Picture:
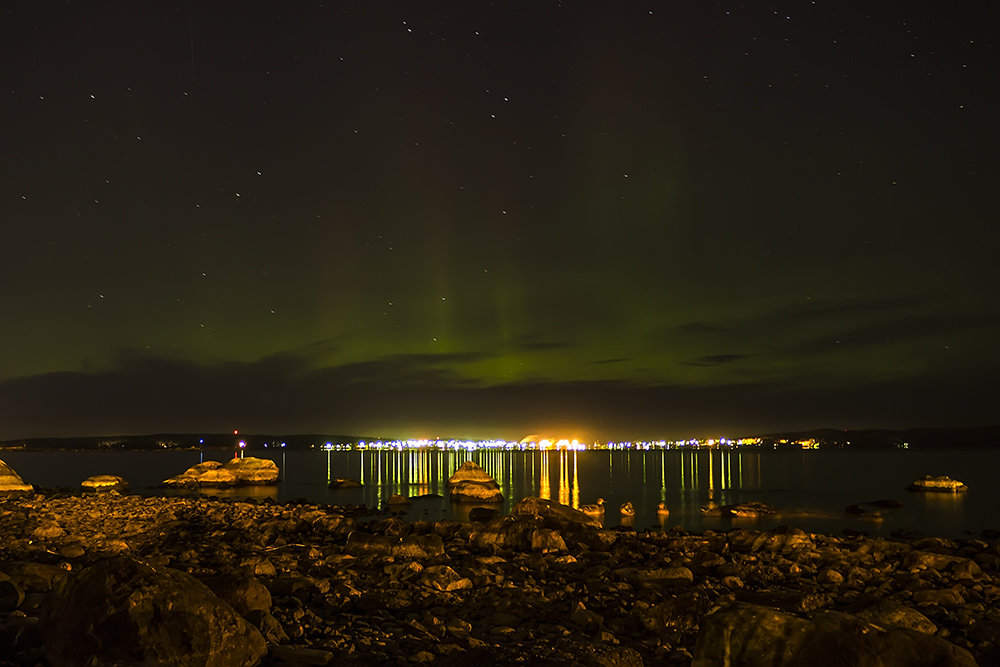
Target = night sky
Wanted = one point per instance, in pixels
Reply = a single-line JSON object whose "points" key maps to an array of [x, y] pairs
{"points": [[608, 220]]}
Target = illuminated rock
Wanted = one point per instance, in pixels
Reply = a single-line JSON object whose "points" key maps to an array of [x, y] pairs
{"points": [[547, 540], [252, 471], [189, 478], [220, 478], [396, 499], [249, 471], [750, 509], [551, 511], [472, 484], [105, 483], [11, 483], [941, 484]]}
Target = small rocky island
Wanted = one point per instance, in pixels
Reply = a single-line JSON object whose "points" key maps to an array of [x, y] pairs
{"points": [[940, 484], [249, 471]]}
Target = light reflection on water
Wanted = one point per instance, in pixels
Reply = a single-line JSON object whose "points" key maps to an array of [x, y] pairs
{"points": [[810, 489]]}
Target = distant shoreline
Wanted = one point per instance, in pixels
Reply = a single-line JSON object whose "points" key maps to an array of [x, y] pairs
{"points": [[979, 437]]}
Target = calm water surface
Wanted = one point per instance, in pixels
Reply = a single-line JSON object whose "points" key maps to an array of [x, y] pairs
{"points": [[810, 488]]}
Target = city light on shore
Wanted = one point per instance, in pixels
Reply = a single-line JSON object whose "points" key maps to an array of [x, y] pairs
{"points": [[563, 444]]}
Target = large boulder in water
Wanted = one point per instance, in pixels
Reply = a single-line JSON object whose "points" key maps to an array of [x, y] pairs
{"points": [[941, 484], [754, 636], [472, 484], [11, 483], [125, 612], [249, 471], [252, 471], [189, 478], [104, 483]]}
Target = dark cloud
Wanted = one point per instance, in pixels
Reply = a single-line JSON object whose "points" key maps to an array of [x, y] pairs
{"points": [[900, 329], [536, 343], [716, 359], [411, 395]]}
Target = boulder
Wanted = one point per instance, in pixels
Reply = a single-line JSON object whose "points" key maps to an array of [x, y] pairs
{"points": [[753, 636], [547, 540], [345, 483], [189, 478], [941, 484], [123, 611], [360, 543], [105, 483], [244, 593], [472, 484], [748, 510], [252, 471], [249, 471], [220, 478], [891, 613], [552, 512], [444, 579], [11, 483]]}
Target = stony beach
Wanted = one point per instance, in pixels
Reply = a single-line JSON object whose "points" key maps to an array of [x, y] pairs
{"points": [[107, 578]]}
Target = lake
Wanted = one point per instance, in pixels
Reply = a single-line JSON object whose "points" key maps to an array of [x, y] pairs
{"points": [[810, 488]]}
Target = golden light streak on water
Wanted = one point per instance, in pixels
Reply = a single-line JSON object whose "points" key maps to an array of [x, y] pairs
{"points": [[544, 491], [576, 484], [663, 478], [564, 492]]}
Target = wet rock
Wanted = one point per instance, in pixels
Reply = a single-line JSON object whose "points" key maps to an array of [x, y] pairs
{"points": [[888, 612], [243, 593], [470, 483], [547, 540], [11, 483], [122, 611], [104, 483], [940, 484], [360, 543], [47, 530], [11, 594], [443, 578], [948, 598], [552, 512], [345, 483], [752, 509], [757, 636]]}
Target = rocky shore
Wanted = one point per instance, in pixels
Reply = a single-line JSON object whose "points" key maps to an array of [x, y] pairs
{"points": [[126, 579]]}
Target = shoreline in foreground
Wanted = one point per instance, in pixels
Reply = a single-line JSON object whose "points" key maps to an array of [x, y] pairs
{"points": [[319, 584]]}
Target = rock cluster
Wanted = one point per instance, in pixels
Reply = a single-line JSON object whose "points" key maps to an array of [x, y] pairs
{"points": [[249, 471], [113, 579]]}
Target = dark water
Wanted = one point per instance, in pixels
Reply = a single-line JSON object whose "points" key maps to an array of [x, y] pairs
{"points": [[810, 488]]}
